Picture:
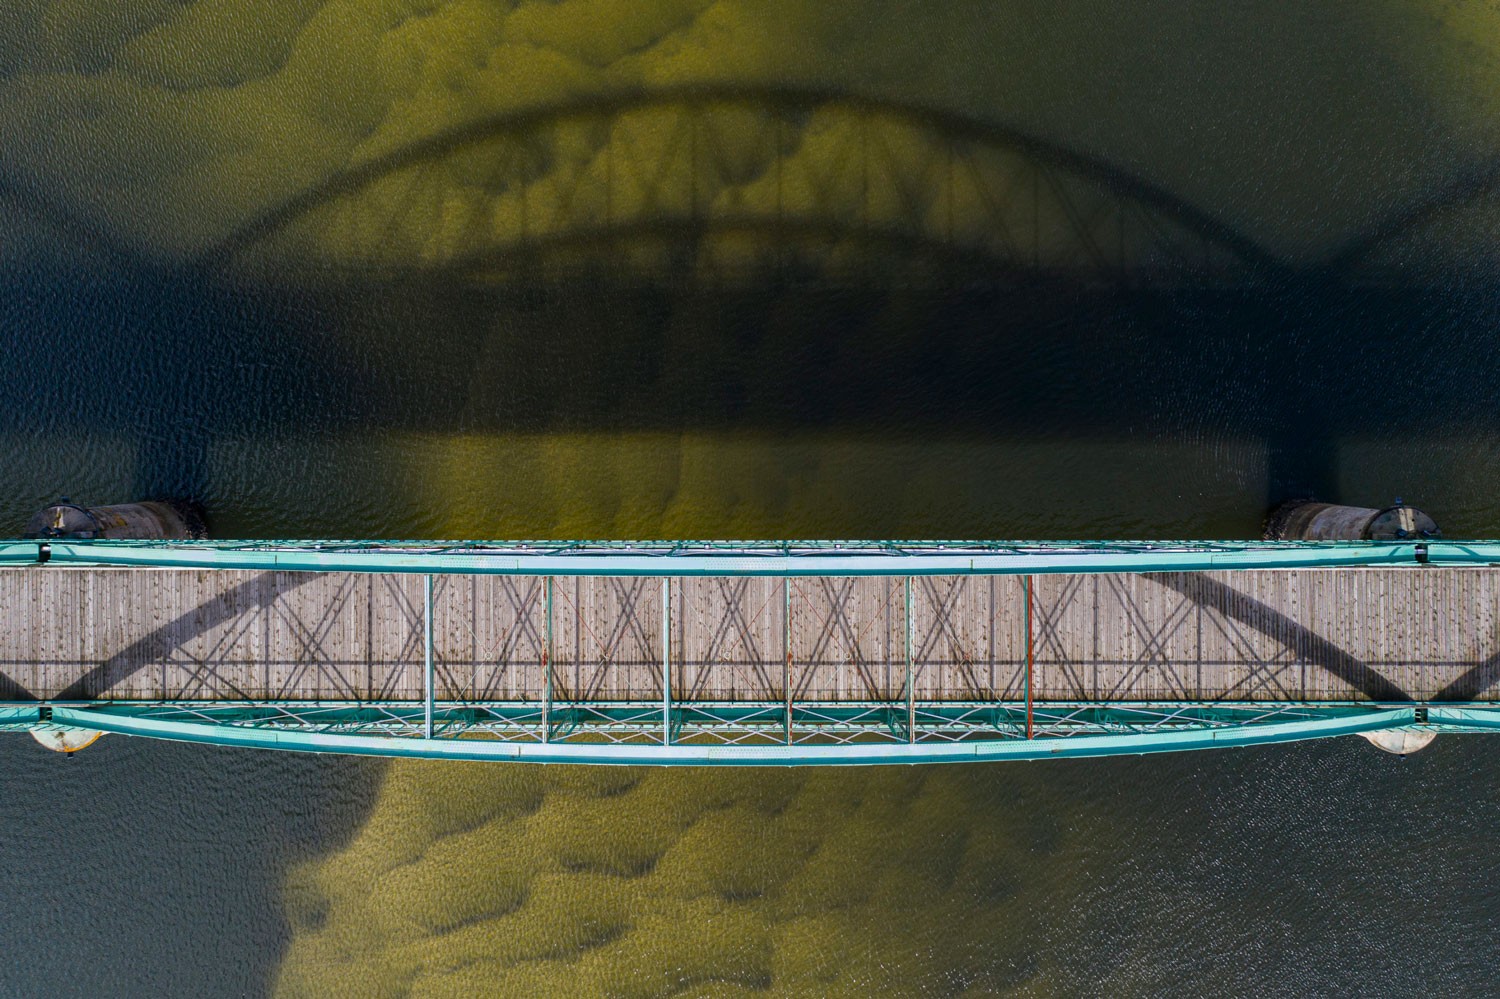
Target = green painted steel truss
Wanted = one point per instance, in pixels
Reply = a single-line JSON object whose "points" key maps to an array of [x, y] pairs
{"points": [[671, 732], [741, 733], [748, 558]]}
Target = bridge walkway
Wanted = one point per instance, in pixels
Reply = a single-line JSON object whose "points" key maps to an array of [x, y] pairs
{"points": [[1364, 634]]}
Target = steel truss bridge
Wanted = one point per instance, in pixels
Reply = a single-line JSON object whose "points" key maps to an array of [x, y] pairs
{"points": [[752, 653]]}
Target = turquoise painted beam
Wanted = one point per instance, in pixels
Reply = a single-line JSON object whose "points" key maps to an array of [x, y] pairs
{"points": [[494, 718], [1474, 719], [719, 755], [752, 558], [12, 715], [19, 552]]}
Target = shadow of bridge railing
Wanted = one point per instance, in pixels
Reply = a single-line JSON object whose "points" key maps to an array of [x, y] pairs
{"points": [[214, 645]]}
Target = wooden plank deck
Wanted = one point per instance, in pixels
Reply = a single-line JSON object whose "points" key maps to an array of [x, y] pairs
{"points": [[1263, 635]]}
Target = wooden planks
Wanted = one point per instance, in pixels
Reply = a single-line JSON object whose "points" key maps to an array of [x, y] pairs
{"points": [[730, 638], [607, 638], [489, 638], [848, 638], [969, 637], [1266, 635]]}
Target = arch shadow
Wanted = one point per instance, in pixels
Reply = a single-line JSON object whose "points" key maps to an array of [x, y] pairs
{"points": [[86, 233], [1107, 176], [157, 644], [1355, 253], [1318, 651]]}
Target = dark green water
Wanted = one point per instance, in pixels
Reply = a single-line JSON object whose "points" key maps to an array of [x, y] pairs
{"points": [[143, 869], [896, 398]]}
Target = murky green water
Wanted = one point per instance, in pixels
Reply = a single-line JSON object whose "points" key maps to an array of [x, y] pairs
{"points": [[646, 382], [1312, 869]]}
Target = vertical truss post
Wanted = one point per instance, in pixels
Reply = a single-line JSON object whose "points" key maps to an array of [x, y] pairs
{"points": [[786, 635], [911, 695], [666, 660], [427, 656], [1028, 657], [547, 662]]}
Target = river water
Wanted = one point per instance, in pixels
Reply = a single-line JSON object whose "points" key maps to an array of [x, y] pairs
{"points": [[622, 399]]}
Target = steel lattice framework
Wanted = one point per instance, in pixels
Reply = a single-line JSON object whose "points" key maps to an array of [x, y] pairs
{"points": [[631, 735], [573, 726], [749, 557]]}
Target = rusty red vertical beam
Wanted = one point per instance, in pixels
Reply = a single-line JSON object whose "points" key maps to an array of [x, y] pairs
{"points": [[1029, 657]]}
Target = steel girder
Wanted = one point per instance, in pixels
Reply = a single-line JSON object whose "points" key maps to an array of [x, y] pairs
{"points": [[745, 734], [748, 558]]}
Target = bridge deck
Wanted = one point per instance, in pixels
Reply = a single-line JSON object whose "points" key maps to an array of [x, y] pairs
{"points": [[1285, 635]]}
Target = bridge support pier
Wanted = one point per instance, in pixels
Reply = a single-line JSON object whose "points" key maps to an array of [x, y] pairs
{"points": [[1400, 741], [65, 738], [1307, 520], [151, 520]]}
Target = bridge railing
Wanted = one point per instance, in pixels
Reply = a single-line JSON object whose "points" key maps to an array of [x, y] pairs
{"points": [[747, 558], [1075, 730]]}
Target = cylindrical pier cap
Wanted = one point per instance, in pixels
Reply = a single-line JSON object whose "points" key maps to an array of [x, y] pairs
{"points": [[145, 521], [1401, 741], [64, 738], [1307, 520]]}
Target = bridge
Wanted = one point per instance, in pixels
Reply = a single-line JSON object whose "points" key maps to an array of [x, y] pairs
{"points": [[754, 653]]}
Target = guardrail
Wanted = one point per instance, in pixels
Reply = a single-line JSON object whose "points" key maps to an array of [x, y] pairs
{"points": [[747, 558], [314, 728]]}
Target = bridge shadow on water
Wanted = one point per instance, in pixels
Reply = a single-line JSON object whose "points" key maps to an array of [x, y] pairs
{"points": [[163, 368], [744, 260], [174, 367]]}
